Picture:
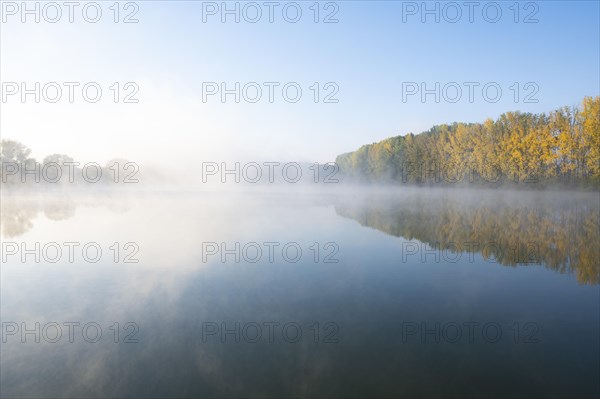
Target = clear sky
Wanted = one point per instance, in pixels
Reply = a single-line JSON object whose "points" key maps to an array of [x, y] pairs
{"points": [[370, 54]]}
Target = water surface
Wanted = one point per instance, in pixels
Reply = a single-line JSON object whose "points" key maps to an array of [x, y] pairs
{"points": [[421, 293]]}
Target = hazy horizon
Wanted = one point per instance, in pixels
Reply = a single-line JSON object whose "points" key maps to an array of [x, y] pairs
{"points": [[300, 199], [368, 54]]}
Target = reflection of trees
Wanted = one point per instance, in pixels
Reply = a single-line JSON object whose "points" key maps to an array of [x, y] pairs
{"points": [[59, 210], [561, 233], [17, 212], [16, 217]]}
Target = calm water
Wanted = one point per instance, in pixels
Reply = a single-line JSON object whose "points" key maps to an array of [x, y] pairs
{"points": [[426, 293]]}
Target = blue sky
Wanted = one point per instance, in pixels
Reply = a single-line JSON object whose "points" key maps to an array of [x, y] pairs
{"points": [[368, 54]]}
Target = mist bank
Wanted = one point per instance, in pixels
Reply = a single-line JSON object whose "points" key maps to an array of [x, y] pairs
{"points": [[518, 149], [20, 172], [510, 228]]}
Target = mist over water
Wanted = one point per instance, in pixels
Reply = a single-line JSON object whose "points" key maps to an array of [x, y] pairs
{"points": [[299, 199], [384, 279]]}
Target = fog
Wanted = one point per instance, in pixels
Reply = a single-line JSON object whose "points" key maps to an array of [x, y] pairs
{"points": [[185, 257], [558, 229]]}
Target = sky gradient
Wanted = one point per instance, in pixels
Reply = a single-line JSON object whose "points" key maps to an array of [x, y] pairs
{"points": [[367, 54]]}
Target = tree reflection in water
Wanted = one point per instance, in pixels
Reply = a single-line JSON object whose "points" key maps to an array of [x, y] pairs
{"points": [[558, 230]]}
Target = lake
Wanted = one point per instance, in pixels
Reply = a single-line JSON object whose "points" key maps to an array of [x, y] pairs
{"points": [[378, 293]]}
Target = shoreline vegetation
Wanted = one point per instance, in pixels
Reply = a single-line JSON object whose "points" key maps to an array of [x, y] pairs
{"points": [[518, 149], [524, 151], [20, 170]]}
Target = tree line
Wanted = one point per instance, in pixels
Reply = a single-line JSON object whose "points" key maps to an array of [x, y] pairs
{"points": [[19, 169], [562, 146]]}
